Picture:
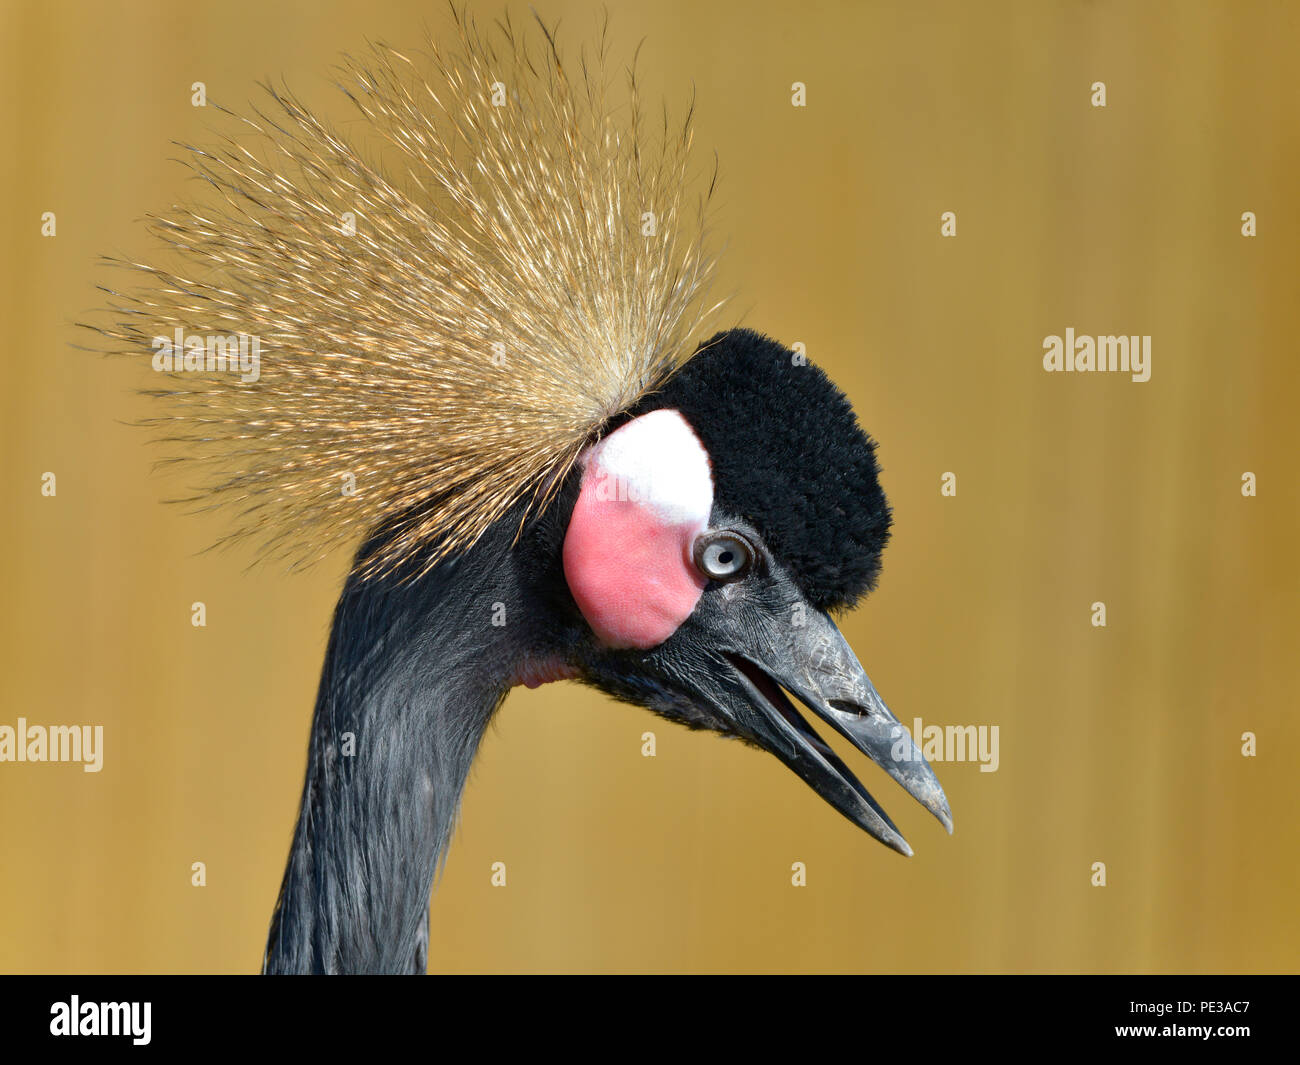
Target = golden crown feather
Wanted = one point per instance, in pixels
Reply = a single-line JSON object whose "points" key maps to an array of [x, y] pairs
{"points": [[497, 300]]}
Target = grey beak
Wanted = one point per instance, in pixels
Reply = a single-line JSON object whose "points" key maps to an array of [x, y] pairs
{"points": [[816, 664]]}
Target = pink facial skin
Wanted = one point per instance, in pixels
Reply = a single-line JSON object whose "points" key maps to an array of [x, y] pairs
{"points": [[629, 573], [628, 562]]}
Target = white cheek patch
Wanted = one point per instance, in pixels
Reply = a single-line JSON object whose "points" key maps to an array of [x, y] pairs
{"points": [[647, 490], [655, 460]]}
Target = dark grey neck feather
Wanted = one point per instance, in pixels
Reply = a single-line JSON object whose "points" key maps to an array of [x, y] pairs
{"points": [[413, 674]]}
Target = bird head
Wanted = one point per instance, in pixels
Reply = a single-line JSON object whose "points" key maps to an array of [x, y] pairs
{"points": [[713, 533], [492, 327]]}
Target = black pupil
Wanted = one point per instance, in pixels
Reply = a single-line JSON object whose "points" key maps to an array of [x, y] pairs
{"points": [[725, 557]]}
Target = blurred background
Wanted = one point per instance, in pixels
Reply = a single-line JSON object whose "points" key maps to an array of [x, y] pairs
{"points": [[1120, 745]]}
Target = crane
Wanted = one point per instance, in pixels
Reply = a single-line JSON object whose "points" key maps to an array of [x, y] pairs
{"points": [[476, 361]]}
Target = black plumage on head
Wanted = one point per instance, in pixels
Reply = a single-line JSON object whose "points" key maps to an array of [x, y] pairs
{"points": [[789, 456]]}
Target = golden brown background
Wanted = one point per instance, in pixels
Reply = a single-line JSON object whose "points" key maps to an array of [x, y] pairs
{"points": [[1119, 744]]}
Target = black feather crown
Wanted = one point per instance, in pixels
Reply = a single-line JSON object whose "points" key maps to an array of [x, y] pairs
{"points": [[789, 456]]}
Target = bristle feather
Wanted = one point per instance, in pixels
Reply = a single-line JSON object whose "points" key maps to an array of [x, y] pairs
{"points": [[517, 225]]}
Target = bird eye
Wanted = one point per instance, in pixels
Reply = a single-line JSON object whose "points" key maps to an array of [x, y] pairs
{"points": [[723, 556]]}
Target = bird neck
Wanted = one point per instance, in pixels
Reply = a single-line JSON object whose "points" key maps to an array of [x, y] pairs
{"points": [[414, 672]]}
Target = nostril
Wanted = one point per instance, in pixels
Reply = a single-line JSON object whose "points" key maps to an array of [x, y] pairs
{"points": [[846, 706]]}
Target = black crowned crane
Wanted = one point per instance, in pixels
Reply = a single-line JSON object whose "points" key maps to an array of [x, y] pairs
{"points": [[476, 360]]}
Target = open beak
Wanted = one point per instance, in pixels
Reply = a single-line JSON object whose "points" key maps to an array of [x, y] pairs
{"points": [[817, 665]]}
